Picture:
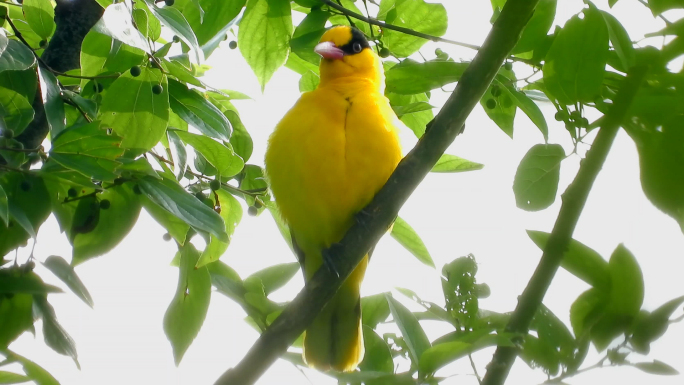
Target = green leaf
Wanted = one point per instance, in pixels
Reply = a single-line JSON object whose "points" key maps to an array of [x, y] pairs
{"points": [[553, 332], [660, 6], [276, 276], [377, 356], [299, 65], [3, 36], [4, 206], [264, 36], [40, 16], [579, 260], [307, 35], [407, 237], [410, 77], [114, 224], [535, 30], [587, 309], [88, 106], [652, 326], [171, 196], [416, 121], [499, 104], [117, 23], [452, 163], [412, 108], [16, 57], [180, 72], [12, 378], [624, 301], [309, 81], [52, 101], [620, 40], [413, 333], [530, 109], [656, 367], [32, 207], [55, 336], [15, 317], [217, 16], [231, 213], [417, 15], [374, 309], [122, 57], [538, 353], [536, 180], [240, 139], [89, 150], [198, 111], [134, 112], [14, 282], [175, 226], [443, 353], [65, 272], [188, 309], [175, 21], [221, 156], [661, 163], [575, 64], [94, 52], [35, 372], [15, 110]]}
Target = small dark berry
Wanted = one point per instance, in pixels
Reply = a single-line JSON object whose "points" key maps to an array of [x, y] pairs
{"points": [[30, 265], [200, 195], [157, 89], [105, 204], [508, 66], [43, 43], [491, 104], [252, 211], [25, 186], [100, 87], [215, 185], [119, 181], [8, 133], [20, 1], [176, 39], [136, 190], [208, 202], [584, 122], [135, 71], [384, 52], [72, 192], [258, 204], [169, 2], [232, 44], [166, 237], [576, 115], [496, 91]]}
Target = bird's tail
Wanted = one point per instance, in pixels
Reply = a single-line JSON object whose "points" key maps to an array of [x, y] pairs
{"points": [[335, 340]]}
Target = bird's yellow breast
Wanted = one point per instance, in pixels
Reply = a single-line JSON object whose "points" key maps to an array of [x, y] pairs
{"points": [[328, 157]]}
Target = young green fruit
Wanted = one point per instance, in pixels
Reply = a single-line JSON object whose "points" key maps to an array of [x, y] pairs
{"points": [[215, 185], [43, 43], [135, 71], [496, 91], [176, 39], [491, 104], [105, 204], [384, 52], [169, 2], [166, 237], [252, 211], [72, 192], [157, 89], [136, 190]]}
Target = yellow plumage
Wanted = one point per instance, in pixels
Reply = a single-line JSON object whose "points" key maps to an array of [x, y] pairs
{"points": [[325, 161]]}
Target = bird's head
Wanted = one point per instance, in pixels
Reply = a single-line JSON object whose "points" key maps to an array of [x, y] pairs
{"points": [[346, 54]]}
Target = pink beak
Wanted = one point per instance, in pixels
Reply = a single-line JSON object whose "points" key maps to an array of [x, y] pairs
{"points": [[329, 50]]}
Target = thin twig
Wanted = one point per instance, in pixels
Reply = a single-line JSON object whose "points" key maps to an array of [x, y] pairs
{"points": [[397, 28], [75, 105], [3, 148], [253, 193], [472, 364], [44, 64], [377, 216], [574, 199], [645, 4]]}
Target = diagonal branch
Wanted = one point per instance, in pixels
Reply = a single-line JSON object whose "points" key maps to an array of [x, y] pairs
{"points": [[380, 213], [574, 199], [397, 28]]}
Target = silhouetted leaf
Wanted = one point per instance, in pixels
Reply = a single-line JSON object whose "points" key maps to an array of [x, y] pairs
{"points": [[61, 268], [536, 180], [407, 237]]}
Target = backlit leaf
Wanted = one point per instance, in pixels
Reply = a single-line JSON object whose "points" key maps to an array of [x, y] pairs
{"points": [[40, 15], [221, 156], [413, 333], [417, 15], [452, 163], [198, 111], [410, 77], [536, 180], [231, 213], [65, 272], [407, 237]]}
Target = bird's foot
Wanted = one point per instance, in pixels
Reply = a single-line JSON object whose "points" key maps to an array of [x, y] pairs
{"points": [[328, 259]]}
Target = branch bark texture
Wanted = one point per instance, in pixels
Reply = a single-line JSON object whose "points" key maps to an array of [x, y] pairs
{"points": [[380, 213], [73, 18], [574, 199]]}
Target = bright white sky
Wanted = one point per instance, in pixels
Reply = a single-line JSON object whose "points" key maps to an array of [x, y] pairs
{"points": [[122, 340]]}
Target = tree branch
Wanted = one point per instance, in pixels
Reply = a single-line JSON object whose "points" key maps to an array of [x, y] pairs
{"points": [[574, 199], [397, 28], [383, 209], [73, 18]]}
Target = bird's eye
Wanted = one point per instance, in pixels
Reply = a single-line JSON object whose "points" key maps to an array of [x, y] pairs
{"points": [[357, 47]]}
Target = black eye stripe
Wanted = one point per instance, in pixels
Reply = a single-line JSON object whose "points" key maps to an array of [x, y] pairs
{"points": [[357, 38]]}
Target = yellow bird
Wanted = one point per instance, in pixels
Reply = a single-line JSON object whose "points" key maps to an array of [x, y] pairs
{"points": [[325, 161]]}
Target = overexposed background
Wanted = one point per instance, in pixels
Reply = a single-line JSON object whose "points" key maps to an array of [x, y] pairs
{"points": [[122, 340]]}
